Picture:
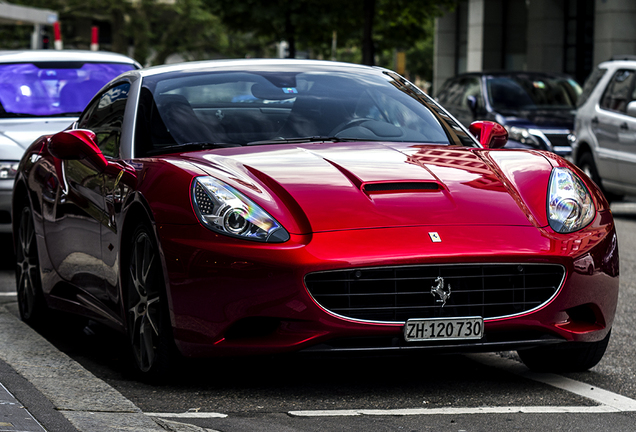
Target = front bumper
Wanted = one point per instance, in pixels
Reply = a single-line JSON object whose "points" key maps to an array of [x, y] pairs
{"points": [[232, 297]]}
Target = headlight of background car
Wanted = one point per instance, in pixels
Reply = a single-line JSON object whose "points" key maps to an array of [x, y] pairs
{"points": [[8, 169], [524, 136], [224, 209], [570, 205]]}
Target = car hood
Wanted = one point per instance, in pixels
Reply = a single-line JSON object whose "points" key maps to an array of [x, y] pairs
{"points": [[544, 118], [338, 186], [23, 131]]}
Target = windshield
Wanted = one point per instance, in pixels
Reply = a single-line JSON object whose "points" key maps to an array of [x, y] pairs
{"points": [[256, 108], [52, 88], [527, 92]]}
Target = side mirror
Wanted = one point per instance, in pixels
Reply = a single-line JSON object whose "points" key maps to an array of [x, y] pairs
{"points": [[76, 144], [631, 109], [490, 134]]}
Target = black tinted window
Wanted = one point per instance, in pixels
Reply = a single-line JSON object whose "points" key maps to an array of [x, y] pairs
{"points": [[619, 91], [590, 84], [105, 117], [532, 92], [246, 108]]}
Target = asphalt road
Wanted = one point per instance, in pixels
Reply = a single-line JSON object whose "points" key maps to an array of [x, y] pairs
{"points": [[447, 393]]}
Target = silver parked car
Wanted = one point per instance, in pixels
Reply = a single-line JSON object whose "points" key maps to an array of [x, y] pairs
{"points": [[605, 127], [42, 92]]}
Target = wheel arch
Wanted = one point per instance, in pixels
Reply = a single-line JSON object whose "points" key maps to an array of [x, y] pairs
{"points": [[583, 148]]}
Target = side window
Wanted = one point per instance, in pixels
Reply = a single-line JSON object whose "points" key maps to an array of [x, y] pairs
{"points": [[619, 91], [590, 84], [472, 87], [452, 94], [105, 117]]}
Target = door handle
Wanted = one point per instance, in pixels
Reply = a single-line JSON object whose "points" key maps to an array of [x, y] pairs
{"points": [[594, 120], [624, 126]]}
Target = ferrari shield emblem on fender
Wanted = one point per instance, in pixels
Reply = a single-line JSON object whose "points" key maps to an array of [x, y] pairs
{"points": [[438, 289], [435, 237]]}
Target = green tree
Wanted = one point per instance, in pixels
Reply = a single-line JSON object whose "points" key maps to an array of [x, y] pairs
{"points": [[375, 25], [154, 29]]}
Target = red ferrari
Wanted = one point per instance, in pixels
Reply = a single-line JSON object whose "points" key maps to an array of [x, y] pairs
{"points": [[267, 206]]}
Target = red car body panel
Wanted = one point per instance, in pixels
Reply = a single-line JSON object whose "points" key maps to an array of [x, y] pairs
{"points": [[230, 296], [215, 276]]}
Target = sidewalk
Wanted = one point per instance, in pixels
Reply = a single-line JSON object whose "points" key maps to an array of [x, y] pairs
{"points": [[48, 391]]}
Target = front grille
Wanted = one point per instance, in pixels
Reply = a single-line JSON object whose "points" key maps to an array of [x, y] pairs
{"points": [[396, 294]]}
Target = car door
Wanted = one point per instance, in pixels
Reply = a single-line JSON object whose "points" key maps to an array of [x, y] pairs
{"points": [[105, 119], [627, 146], [615, 131]]}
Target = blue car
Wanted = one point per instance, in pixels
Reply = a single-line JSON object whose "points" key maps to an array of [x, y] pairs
{"points": [[536, 108]]}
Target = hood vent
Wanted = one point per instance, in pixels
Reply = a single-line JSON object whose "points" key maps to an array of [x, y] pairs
{"points": [[400, 187]]}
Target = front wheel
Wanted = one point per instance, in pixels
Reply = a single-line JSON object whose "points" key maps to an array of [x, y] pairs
{"points": [[566, 357], [27, 271], [148, 322]]}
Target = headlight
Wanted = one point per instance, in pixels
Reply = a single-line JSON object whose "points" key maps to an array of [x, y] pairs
{"points": [[570, 205], [223, 209], [8, 169], [524, 136]]}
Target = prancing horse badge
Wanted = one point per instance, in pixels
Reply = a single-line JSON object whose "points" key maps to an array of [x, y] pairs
{"points": [[435, 237]]}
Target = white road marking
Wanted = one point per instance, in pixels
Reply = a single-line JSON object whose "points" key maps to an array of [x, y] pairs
{"points": [[457, 411], [188, 415], [597, 394], [609, 402], [8, 294]]}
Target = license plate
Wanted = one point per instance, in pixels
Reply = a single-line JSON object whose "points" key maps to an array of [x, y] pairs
{"points": [[444, 328]]}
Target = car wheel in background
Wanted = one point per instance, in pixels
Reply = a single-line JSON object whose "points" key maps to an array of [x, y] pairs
{"points": [[149, 329], [567, 357], [27, 271], [586, 162]]}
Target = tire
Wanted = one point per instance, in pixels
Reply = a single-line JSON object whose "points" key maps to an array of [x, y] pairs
{"points": [[31, 303], [149, 330], [567, 357], [587, 165]]}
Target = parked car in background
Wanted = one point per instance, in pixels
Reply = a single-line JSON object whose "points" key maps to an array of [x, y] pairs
{"points": [[605, 146], [41, 92], [536, 108], [245, 207]]}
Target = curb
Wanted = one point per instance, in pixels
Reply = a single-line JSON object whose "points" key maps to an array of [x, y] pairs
{"points": [[87, 402]]}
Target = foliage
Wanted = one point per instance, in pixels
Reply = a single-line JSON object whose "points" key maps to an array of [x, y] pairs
{"points": [[153, 30]]}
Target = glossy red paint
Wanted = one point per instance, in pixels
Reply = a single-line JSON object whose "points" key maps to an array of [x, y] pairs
{"points": [[346, 206], [490, 134], [77, 144], [215, 282], [215, 276]]}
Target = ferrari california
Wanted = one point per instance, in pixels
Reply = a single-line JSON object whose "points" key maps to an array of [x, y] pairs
{"points": [[248, 207]]}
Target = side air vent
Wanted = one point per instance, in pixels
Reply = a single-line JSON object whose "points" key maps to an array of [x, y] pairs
{"points": [[400, 186]]}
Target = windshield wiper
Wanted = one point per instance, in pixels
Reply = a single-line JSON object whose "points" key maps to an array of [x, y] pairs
{"points": [[300, 140], [190, 146]]}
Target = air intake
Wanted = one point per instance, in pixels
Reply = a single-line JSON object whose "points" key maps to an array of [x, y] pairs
{"points": [[400, 187]]}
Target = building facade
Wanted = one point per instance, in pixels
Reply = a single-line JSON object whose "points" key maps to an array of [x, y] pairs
{"points": [[564, 36]]}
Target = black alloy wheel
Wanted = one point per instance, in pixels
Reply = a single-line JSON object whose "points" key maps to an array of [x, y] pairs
{"points": [[27, 271], [148, 324]]}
